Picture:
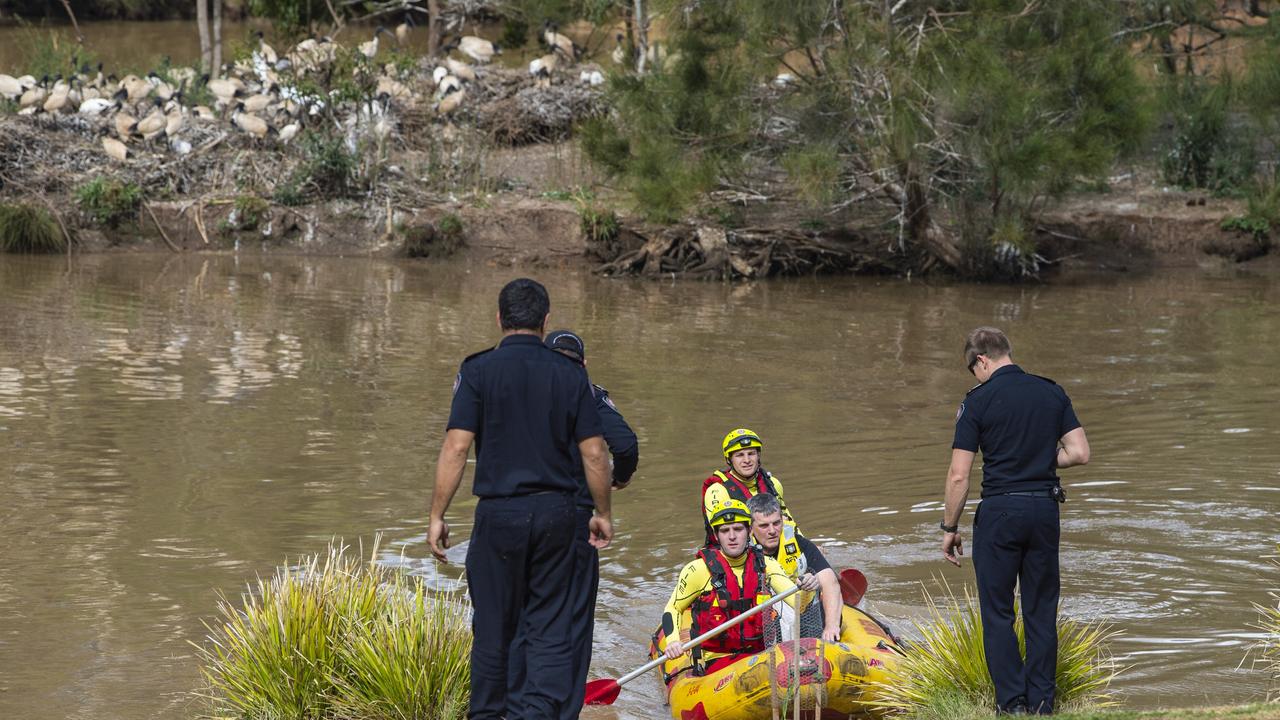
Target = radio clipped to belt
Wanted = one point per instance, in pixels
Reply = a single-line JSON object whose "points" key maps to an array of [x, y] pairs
{"points": [[1058, 494]]}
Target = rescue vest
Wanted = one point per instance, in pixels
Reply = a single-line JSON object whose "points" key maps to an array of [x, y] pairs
{"points": [[790, 557], [739, 490], [727, 599]]}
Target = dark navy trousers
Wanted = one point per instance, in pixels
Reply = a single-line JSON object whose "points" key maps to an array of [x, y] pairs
{"points": [[518, 576], [1015, 541], [582, 607]]}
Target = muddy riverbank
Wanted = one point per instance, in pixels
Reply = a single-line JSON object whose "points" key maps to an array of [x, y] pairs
{"points": [[513, 187]]}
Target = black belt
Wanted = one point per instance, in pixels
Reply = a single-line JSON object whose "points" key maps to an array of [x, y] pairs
{"points": [[1031, 493]]}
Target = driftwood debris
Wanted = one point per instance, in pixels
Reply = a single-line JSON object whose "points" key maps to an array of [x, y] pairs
{"points": [[716, 253]]}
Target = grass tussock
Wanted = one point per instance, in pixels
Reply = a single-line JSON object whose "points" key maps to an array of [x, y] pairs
{"points": [[338, 637], [108, 202], [944, 676], [1266, 652], [29, 229]]}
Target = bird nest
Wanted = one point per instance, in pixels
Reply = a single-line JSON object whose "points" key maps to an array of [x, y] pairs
{"points": [[512, 112]]}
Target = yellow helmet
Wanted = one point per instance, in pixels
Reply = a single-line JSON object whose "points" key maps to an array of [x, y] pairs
{"points": [[740, 439], [728, 511]]}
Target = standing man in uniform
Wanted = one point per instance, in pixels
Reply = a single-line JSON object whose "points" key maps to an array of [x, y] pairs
{"points": [[525, 407], [585, 581], [1026, 429]]}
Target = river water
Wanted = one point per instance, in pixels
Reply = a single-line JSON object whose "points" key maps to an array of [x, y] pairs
{"points": [[172, 427]]}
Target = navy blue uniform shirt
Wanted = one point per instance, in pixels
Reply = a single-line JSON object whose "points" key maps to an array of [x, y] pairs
{"points": [[1016, 420], [622, 442], [529, 406]]}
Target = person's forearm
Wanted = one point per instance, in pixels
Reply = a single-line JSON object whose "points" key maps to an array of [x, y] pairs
{"points": [[957, 488], [832, 603], [449, 469], [595, 461], [624, 465]]}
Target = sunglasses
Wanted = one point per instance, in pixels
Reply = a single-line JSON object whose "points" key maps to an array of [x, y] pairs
{"points": [[973, 363]]}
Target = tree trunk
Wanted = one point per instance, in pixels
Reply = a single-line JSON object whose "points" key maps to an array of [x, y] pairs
{"points": [[202, 22], [921, 226], [434, 28], [217, 34], [642, 36]]}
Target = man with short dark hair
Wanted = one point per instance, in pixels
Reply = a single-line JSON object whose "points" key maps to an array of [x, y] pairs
{"points": [[524, 406], [804, 563], [585, 579], [1026, 429]]}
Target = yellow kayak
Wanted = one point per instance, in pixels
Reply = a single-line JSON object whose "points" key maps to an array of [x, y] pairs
{"points": [[833, 677]]}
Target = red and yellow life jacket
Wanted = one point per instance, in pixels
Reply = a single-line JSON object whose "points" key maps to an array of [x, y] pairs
{"points": [[727, 599], [740, 490]]}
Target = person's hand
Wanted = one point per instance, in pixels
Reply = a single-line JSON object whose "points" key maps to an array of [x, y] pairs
{"points": [[601, 528], [620, 486], [808, 582], [952, 549], [831, 633], [675, 649], [438, 538]]}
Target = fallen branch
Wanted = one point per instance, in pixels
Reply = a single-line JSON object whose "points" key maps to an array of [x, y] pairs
{"points": [[163, 234]]}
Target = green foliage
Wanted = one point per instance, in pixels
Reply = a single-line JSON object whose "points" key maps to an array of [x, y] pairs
{"points": [[450, 229], [1262, 211], [328, 170], [815, 172], [676, 130], [515, 33], [29, 229], [335, 636], [1205, 151], [293, 17], [599, 226], [944, 676], [992, 103], [109, 202]]}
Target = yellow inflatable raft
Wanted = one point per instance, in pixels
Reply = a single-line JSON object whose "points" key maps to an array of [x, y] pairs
{"points": [[832, 677]]}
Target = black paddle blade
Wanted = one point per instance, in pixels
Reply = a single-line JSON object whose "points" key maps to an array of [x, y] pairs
{"points": [[853, 585], [602, 692]]}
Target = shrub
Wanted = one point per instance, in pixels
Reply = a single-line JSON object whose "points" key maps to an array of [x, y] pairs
{"points": [[450, 231], [29, 229], [598, 226], [109, 202], [945, 675], [336, 636], [1206, 150], [327, 171]]}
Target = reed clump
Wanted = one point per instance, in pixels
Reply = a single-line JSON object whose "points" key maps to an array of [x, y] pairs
{"points": [[1266, 651], [335, 637], [29, 229], [944, 675]]}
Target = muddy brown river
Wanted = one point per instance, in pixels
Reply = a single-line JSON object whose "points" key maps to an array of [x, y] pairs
{"points": [[172, 427]]}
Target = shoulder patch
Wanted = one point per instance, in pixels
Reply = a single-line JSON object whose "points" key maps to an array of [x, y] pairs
{"points": [[457, 380], [605, 398], [960, 411]]}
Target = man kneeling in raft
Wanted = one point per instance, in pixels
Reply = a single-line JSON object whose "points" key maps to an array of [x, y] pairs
{"points": [[723, 582], [803, 562], [743, 479]]}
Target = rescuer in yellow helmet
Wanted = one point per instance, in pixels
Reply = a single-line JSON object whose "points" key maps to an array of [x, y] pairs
{"points": [[724, 580], [742, 478]]}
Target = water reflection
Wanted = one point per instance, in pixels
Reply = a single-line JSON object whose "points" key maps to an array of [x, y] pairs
{"points": [[172, 427]]}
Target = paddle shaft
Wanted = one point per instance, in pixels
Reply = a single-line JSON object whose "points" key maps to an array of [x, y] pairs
{"points": [[710, 634]]}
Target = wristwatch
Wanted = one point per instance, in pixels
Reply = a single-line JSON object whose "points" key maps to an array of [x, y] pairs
{"points": [[948, 528]]}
